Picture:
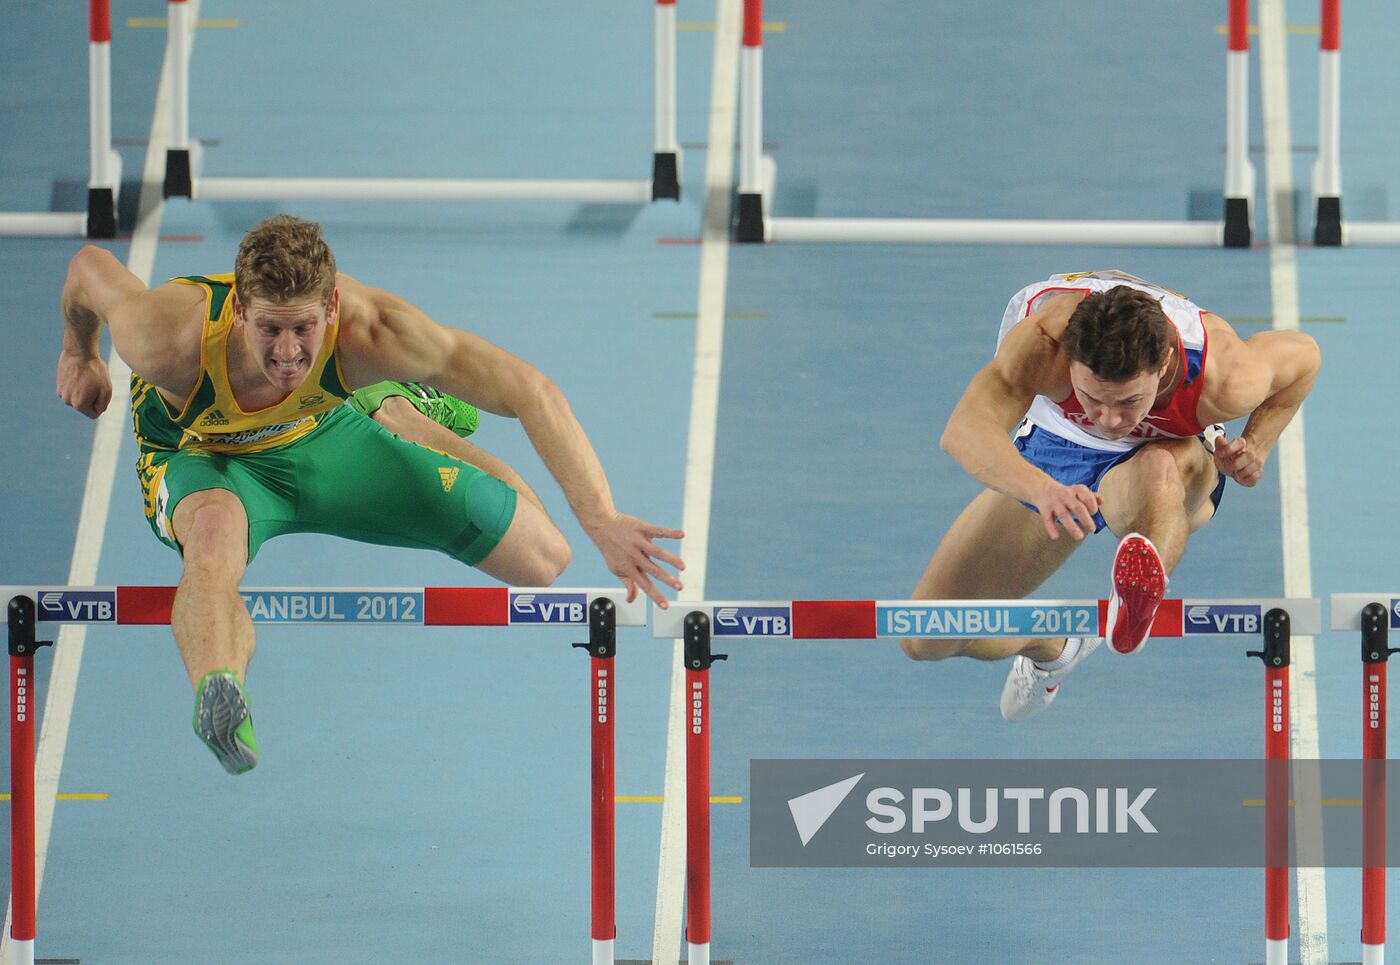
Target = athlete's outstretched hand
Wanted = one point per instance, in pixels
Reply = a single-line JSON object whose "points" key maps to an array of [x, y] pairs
{"points": [[84, 383], [627, 547], [1240, 459], [1072, 507]]}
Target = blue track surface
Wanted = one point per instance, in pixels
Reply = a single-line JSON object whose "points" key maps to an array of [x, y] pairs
{"points": [[423, 795]]}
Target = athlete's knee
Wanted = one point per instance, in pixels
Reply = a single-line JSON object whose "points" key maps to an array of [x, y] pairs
{"points": [[1161, 468], [552, 557], [547, 556], [919, 649], [212, 527]]}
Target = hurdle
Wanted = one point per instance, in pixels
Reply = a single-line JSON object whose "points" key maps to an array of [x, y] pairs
{"points": [[184, 176], [1374, 615], [104, 163], [701, 624], [758, 177], [601, 611]]}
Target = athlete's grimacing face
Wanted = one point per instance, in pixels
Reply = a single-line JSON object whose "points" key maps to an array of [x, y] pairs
{"points": [[285, 338], [1116, 408]]}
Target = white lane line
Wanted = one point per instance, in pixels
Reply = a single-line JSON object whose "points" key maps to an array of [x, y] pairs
{"points": [[700, 459], [1292, 470], [92, 521]]}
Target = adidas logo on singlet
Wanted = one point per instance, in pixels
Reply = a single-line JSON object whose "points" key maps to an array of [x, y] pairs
{"points": [[448, 475], [213, 418]]}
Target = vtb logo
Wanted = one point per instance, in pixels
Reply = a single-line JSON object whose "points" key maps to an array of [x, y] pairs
{"points": [[548, 608], [1222, 618], [753, 621]]}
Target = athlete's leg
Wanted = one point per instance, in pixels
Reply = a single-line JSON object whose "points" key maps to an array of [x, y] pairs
{"points": [[209, 619], [403, 419], [533, 552], [996, 548], [1162, 492], [392, 490]]}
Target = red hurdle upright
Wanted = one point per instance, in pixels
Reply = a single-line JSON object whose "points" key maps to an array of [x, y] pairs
{"points": [[1375, 651], [1277, 655], [602, 648], [698, 658], [22, 703]]}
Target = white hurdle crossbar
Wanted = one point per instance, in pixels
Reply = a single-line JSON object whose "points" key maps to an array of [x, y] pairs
{"points": [[184, 176], [700, 625], [758, 175], [104, 163], [600, 611]]}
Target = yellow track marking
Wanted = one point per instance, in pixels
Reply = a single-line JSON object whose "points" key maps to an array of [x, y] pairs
{"points": [[68, 797], [1327, 802], [1293, 28], [657, 799], [160, 23], [775, 27]]}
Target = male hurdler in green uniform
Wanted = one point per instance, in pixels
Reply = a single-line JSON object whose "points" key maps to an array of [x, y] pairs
{"points": [[237, 399]]}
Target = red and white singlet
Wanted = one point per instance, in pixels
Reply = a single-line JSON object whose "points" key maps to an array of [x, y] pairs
{"points": [[1065, 417]]}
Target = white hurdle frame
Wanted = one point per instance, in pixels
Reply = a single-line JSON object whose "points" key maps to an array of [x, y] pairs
{"points": [[184, 162], [104, 163], [703, 624], [31, 609], [758, 175]]}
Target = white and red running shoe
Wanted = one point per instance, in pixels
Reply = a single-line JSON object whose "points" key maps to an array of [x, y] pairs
{"points": [[1139, 583]]}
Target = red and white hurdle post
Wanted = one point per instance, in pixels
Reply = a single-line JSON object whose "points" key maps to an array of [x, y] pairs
{"points": [[181, 156], [1327, 170], [1375, 651], [23, 886], [666, 158], [105, 164], [752, 218], [602, 684], [698, 658], [1239, 172], [1277, 657]]}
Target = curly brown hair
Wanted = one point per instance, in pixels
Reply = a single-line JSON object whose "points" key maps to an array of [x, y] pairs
{"points": [[284, 259], [1119, 334]]}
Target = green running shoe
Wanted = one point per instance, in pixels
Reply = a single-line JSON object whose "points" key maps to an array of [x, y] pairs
{"points": [[446, 410], [223, 721]]}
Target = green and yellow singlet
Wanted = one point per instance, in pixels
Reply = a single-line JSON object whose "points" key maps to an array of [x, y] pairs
{"points": [[211, 419]]}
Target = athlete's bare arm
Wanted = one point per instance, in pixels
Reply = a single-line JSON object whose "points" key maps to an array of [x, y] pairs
{"points": [[157, 332], [384, 337], [1028, 363], [1266, 376]]}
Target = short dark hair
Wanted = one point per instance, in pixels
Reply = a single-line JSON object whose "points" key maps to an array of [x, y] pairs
{"points": [[285, 259], [1119, 333]]}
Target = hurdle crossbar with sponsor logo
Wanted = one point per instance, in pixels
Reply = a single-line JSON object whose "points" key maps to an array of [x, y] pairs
{"points": [[701, 625], [32, 608], [1374, 615], [184, 178]]}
